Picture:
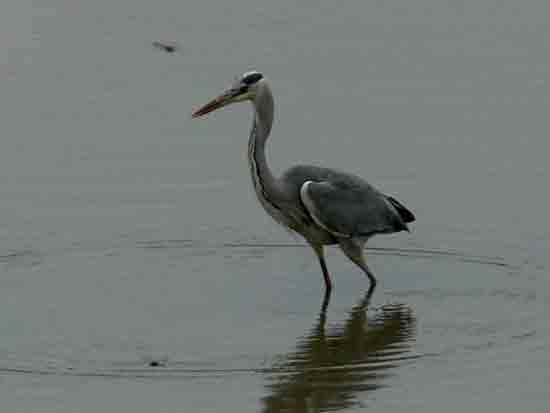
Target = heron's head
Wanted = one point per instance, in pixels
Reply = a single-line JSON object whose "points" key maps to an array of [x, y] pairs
{"points": [[245, 87]]}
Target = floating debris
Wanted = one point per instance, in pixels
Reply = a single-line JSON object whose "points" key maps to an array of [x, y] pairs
{"points": [[157, 363], [166, 46]]}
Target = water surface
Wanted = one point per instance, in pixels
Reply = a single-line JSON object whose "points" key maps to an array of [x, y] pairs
{"points": [[138, 274]]}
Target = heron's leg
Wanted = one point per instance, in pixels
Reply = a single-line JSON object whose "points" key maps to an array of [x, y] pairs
{"points": [[321, 255], [326, 301], [354, 251]]}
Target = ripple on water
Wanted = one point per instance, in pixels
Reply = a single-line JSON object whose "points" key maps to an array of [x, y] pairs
{"points": [[333, 365], [329, 367]]}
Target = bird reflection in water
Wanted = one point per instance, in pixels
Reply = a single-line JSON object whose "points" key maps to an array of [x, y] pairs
{"points": [[334, 368]]}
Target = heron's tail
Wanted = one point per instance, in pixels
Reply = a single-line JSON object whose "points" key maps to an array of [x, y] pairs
{"points": [[406, 215]]}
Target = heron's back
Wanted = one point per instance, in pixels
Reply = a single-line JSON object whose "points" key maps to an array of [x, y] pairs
{"points": [[353, 205]]}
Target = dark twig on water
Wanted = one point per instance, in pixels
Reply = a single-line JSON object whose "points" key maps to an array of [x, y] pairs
{"points": [[166, 46]]}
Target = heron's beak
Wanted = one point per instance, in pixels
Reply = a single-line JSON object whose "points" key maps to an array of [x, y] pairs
{"points": [[226, 98]]}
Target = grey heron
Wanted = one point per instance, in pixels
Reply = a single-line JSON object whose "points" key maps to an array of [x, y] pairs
{"points": [[325, 206]]}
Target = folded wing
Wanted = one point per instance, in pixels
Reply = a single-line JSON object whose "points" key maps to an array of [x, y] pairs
{"points": [[350, 208]]}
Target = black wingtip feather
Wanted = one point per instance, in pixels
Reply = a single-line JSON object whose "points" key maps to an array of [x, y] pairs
{"points": [[406, 215]]}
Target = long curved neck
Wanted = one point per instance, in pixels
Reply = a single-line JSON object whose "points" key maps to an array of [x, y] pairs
{"points": [[265, 184]]}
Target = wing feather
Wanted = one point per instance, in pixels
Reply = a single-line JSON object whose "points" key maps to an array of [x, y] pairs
{"points": [[350, 208]]}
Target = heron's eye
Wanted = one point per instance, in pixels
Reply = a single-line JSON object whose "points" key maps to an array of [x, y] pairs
{"points": [[252, 78]]}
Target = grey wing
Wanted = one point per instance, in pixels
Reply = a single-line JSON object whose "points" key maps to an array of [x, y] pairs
{"points": [[350, 208]]}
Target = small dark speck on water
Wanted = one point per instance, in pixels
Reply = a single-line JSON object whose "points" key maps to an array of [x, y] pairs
{"points": [[527, 334], [156, 363], [168, 47]]}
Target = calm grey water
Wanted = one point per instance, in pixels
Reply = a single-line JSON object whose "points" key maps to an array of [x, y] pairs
{"points": [[138, 274]]}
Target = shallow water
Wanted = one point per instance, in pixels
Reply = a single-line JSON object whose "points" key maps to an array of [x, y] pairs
{"points": [[137, 272]]}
